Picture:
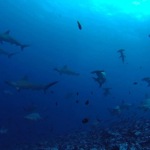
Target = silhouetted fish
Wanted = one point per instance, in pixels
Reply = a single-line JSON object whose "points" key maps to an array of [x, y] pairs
{"points": [[122, 56], [66, 70], [77, 101], [101, 76], [79, 25], [5, 37], [87, 102], [135, 83], [85, 120], [25, 84]]}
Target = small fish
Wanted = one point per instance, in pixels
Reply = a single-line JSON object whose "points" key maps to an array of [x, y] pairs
{"points": [[77, 101], [85, 120], [79, 25], [135, 83], [87, 102]]}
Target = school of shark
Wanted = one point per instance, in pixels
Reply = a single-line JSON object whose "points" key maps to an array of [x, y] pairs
{"points": [[133, 134]]}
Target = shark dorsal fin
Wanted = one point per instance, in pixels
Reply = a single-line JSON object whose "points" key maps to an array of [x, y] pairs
{"points": [[7, 32], [25, 78]]}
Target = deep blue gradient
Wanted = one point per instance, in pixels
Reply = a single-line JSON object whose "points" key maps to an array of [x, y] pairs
{"points": [[50, 28]]}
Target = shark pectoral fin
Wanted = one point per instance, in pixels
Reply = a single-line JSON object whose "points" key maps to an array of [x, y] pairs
{"points": [[24, 46], [7, 32]]}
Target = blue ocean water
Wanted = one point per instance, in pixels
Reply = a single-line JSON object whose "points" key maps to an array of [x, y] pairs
{"points": [[55, 41]]}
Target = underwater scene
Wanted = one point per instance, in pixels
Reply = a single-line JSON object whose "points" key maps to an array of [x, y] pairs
{"points": [[75, 75]]}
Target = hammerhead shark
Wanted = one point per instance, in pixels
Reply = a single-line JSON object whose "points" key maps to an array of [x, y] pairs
{"points": [[66, 70], [5, 37], [25, 84], [101, 77], [8, 54], [120, 108], [122, 55]]}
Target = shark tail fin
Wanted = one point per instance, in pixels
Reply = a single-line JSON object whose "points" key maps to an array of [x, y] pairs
{"points": [[49, 85], [11, 54], [24, 46]]}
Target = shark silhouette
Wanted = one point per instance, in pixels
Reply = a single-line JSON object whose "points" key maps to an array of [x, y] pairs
{"points": [[5, 37], [118, 109], [101, 77], [122, 55], [66, 70], [25, 84], [8, 54]]}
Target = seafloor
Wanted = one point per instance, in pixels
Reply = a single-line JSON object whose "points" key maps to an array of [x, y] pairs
{"points": [[122, 134]]}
